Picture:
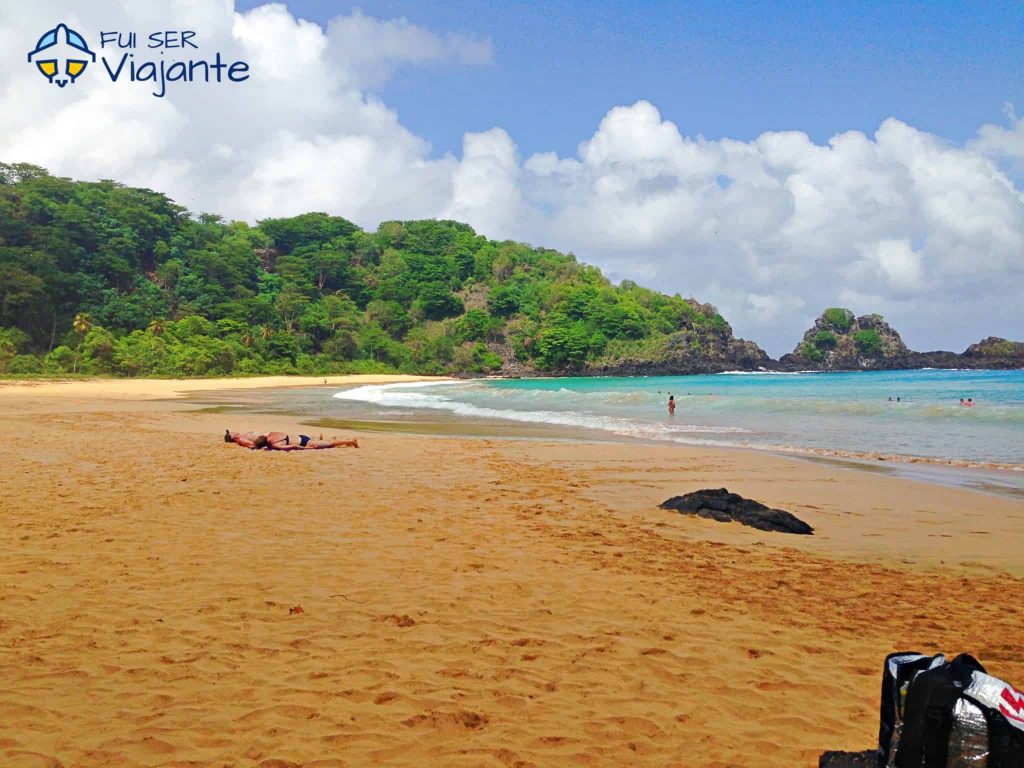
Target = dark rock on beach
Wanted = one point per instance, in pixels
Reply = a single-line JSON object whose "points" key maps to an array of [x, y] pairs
{"points": [[719, 504], [866, 759]]}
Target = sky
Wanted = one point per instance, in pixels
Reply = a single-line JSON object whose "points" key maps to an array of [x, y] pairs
{"points": [[773, 159]]}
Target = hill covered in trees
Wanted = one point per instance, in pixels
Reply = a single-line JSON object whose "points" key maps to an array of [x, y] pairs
{"points": [[100, 278]]}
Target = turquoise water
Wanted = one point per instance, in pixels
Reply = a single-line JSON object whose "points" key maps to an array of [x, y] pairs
{"points": [[835, 412]]}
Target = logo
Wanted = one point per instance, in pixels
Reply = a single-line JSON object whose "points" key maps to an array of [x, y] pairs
{"points": [[159, 59], [61, 55], [1012, 704]]}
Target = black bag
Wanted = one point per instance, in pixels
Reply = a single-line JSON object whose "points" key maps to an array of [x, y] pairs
{"points": [[1002, 707], [929, 713], [899, 671], [956, 716]]}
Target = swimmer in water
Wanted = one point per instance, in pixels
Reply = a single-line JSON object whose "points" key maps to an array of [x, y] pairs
{"points": [[671, 405]]}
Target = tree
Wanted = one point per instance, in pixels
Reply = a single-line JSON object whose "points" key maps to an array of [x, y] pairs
{"points": [[839, 318], [98, 351], [391, 316], [7, 352], [437, 302], [82, 324], [307, 229], [811, 352], [563, 345], [622, 321], [472, 326], [868, 342], [503, 300], [825, 340]]}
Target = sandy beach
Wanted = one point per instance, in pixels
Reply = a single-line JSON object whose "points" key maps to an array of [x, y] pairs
{"points": [[171, 600]]}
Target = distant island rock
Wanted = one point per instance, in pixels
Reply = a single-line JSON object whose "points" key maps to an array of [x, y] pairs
{"points": [[721, 505], [994, 352], [840, 341]]}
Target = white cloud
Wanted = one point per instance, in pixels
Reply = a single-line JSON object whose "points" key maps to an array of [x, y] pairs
{"points": [[773, 230], [368, 50], [486, 188], [1003, 142], [901, 216], [899, 263], [770, 308]]}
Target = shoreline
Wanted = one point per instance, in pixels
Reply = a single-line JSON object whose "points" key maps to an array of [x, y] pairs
{"points": [[1000, 478], [1006, 480], [958, 473]]}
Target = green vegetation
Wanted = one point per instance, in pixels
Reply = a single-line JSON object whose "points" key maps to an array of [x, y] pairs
{"points": [[992, 346], [99, 278], [825, 340], [868, 343], [841, 319], [810, 351]]}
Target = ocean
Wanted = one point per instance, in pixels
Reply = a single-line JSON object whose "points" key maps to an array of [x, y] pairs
{"points": [[895, 414], [848, 412]]}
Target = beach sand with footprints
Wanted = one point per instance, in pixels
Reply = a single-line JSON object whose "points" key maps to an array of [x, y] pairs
{"points": [[170, 600]]}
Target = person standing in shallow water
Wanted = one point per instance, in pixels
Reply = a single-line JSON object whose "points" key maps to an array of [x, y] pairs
{"points": [[671, 405]]}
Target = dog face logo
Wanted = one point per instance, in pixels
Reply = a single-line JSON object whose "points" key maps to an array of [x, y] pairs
{"points": [[61, 55]]}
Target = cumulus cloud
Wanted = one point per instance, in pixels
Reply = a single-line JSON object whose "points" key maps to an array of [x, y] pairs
{"points": [[486, 189], [368, 50], [1006, 142], [778, 228], [772, 230]]}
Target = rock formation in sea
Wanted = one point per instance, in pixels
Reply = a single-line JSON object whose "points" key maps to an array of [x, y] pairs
{"points": [[840, 341]]}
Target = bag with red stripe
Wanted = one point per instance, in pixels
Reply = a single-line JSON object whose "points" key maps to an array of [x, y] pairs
{"points": [[958, 716]]}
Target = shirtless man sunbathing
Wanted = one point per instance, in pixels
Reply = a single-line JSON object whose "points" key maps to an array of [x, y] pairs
{"points": [[281, 441]]}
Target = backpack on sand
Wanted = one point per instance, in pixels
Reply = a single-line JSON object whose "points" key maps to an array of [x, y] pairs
{"points": [[955, 716], [899, 671]]}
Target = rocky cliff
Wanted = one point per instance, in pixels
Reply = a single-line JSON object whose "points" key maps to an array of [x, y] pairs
{"points": [[702, 344], [840, 341], [994, 352]]}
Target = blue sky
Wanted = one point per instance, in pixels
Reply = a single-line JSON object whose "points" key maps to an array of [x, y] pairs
{"points": [[716, 69]]}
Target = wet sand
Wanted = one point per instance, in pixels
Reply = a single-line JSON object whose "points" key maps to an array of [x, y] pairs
{"points": [[464, 601]]}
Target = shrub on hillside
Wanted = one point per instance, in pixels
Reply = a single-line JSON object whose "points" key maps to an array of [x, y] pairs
{"points": [[869, 343], [825, 340], [838, 318]]}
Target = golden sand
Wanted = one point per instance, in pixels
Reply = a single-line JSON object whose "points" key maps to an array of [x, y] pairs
{"points": [[464, 602], [79, 390]]}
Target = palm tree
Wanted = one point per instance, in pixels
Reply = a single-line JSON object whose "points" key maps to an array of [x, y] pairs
{"points": [[156, 326], [266, 332], [248, 338], [82, 324]]}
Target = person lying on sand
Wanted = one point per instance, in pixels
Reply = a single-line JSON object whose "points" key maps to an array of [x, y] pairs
{"points": [[246, 439], [281, 441]]}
